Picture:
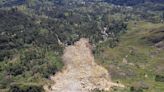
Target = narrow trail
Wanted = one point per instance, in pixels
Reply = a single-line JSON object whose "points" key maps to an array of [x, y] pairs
{"points": [[81, 73]]}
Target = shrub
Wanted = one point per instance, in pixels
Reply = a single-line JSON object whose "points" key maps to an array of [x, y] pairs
{"points": [[15, 69], [159, 78], [134, 89], [26, 88]]}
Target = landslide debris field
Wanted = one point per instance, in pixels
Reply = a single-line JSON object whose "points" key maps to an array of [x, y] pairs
{"points": [[81, 73]]}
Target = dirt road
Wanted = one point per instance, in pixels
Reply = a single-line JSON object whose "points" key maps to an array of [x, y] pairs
{"points": [[81, 73]]}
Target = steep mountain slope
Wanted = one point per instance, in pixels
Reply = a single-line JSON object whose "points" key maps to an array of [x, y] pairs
{"points": [[127, 41]]}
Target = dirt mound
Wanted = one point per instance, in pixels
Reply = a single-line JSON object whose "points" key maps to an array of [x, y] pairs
{"points": [[81, 73]]}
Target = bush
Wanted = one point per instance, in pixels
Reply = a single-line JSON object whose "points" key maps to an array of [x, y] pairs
{"points": [[15, 69], [159, 78], [26, 88], [134, 89]]}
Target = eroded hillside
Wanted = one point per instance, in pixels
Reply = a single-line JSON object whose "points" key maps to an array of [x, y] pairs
{"points": [[81, 73]]}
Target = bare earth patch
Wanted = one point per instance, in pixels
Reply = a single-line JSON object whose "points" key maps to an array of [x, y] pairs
{"points": [[81, 73]]}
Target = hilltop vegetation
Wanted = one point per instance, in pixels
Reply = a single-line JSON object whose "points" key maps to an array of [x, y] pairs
{"points": [[33, 34], [133, 2]]}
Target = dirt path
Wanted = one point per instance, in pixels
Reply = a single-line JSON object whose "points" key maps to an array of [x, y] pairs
{"points": [[81, 73]]}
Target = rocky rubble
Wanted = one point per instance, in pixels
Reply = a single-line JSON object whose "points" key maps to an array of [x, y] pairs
{"points": [[81, 73]]}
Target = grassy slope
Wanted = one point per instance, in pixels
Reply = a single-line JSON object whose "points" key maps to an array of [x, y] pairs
{"points": [[141, 62]]}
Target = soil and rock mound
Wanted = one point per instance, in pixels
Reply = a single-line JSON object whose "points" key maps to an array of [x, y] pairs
{"points": [[81, 73]]}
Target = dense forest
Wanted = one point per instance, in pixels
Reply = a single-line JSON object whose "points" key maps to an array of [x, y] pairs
{"points": [[33, 34], [133, 2]]}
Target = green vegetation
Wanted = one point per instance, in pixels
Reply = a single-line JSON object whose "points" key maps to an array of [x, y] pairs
{"points": [[32, 65], [26, 88], [127, 36], [134, 61]]}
